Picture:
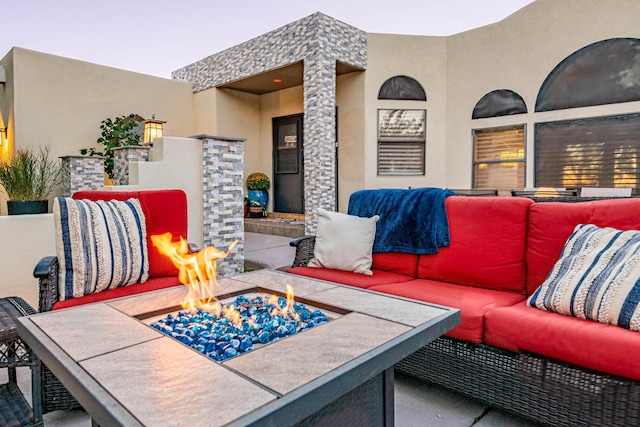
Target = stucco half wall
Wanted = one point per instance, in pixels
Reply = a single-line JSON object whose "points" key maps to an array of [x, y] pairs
{"points": [[22, 250]]}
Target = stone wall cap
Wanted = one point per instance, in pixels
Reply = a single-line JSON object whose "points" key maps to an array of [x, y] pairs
{"points": [[80, 156], [124, 147], [223, 138]]}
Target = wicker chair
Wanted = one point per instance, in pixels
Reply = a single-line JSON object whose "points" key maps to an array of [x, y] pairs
{"points": [[165, 210], [543, 389]]}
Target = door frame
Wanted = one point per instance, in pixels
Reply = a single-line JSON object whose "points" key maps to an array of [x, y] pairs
{"points": [[275, 121]]}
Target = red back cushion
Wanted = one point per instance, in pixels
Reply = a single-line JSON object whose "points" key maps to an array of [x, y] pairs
{"points": [[551, 224], [487, 246], [164, 210], [396, 262]]}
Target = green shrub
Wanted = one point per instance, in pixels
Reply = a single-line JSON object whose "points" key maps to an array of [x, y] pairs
{"points": [[29, 175], [115, 133]]}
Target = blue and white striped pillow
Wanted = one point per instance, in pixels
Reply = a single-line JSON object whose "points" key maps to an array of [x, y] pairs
{"points": [[100, 245], [597, 277]]}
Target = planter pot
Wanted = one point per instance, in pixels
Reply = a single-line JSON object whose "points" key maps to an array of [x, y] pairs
{"points": [[20, 207], [257, 212], [261, 196]]}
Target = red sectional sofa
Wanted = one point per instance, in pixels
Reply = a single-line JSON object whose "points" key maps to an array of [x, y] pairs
{"points": [[555, 369], [164, 211]]}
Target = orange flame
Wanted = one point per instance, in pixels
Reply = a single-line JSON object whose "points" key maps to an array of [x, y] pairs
{"points": [[196, 270]]}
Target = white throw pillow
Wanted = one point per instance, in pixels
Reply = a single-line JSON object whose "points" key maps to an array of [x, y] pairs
{"points": [[597, 277], [344, 242]]}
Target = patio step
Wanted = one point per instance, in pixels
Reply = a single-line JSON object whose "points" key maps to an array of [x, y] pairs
{"points": [[291, 226]]}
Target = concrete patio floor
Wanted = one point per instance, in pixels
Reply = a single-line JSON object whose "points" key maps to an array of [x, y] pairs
{"points": [[417, 404]]}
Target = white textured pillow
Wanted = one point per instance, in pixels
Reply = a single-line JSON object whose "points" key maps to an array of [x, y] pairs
{"points": [[344, 242], [597, 277], [100, 245]]}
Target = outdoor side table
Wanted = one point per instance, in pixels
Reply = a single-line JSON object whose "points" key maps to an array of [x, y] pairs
{"points": [[14, 408]]}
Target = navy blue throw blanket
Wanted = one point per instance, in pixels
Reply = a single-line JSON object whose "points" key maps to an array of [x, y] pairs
{"points": [[412, 221]]}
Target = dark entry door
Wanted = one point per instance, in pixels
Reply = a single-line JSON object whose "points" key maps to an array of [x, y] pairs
{"points": [[288, 189]]}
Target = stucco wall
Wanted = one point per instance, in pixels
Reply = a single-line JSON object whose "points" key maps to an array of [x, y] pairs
{"points": [[517, 54], [424, 59], [21, 250], [173, 163], [275, 104], [60, 102], [234, 113], [350, 90], [6, 103]]}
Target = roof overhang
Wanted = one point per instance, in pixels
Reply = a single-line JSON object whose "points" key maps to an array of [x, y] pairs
{"points": [[280, 78]]}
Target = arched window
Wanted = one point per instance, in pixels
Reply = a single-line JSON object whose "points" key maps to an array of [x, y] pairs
{"points": [[605, 72], [501, 102], [402, 88]]}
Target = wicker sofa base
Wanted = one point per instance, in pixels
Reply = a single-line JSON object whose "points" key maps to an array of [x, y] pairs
{"points": [[542, 389]]}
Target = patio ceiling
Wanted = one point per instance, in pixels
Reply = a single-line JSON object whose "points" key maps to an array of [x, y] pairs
{"points": [[291, 75]]}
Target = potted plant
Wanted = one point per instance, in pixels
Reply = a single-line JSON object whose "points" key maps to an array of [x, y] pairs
{"points": [[29, 177], [121, 131], [258, 185], [256, 209]]}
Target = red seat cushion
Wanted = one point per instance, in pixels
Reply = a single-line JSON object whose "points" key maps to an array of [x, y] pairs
{"points": [[164, 210], [152, 284], [551, 224], [585, 343], [349, 278], [472, 302], [487, 247]]}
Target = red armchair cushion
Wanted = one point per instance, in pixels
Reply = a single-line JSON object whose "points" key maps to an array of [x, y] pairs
{"points": [[487, 247], [164, 210], [150, 285], [585, 343], [358, 280], [472, 302], [551, 224]]}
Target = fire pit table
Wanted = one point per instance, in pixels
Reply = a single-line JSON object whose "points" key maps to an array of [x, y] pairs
{"points": [[124, 372]]}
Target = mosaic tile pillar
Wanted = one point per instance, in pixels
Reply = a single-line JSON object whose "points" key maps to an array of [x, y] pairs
{"points": [[122, 156], [319, 138], [319, 41], [223, 199], [81, 173]]}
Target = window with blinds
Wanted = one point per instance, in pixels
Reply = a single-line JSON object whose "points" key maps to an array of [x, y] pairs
{"points": [[593, 152], [400, 158], [401, 141], [499, 160]]}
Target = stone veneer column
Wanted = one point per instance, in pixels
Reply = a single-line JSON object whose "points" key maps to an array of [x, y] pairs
{"points": [[319, 41], [81, 173], [319, 138], [124, 155], [223, 199]]}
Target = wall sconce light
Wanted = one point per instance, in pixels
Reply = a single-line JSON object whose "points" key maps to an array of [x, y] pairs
{"points": [[152, 129], [3, 135]]}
